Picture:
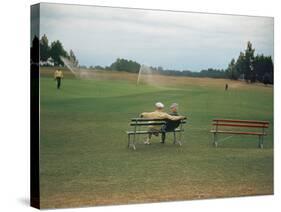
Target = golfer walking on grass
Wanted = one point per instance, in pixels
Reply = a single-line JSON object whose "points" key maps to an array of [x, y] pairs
{"points": [[158, 114], [58, 75]]}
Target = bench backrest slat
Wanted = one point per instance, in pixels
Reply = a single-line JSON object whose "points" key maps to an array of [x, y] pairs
{"points": [[224, 123], [241, 121], [147, 124], [154, 123], [151, 122]]}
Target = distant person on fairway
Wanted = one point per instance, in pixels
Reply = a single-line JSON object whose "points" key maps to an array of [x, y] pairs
{"points": [[170, 125], [226, 87], [158, 114], [58, 75]]}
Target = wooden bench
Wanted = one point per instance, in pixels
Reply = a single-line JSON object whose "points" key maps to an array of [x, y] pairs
{"points": [[239, 127], [138, 123]]}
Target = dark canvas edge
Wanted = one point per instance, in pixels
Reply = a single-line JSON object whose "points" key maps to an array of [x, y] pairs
{"points": [[34, 106]]}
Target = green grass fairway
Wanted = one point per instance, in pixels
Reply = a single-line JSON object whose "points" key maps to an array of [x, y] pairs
{"points": [[84, 159]]}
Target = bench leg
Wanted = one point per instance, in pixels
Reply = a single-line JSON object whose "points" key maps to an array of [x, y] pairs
{"points": [[133, 144], [215, 143], [261, 142], [130, 143], [175, 138], [180, 138], [134, 147]]}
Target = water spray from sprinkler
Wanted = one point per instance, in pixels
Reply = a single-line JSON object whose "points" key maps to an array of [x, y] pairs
{"points": [[78, 73], [146, 75]]}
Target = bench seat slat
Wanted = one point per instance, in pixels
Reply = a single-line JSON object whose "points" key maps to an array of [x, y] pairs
{"points": [[146, 132], [236, 132]]}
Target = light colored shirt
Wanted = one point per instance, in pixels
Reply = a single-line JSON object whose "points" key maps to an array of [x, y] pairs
{"points": [[58, 73], [159, 115]]}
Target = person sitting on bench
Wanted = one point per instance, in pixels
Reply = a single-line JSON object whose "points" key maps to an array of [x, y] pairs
{"points": [[158, 114], [170, 125]]}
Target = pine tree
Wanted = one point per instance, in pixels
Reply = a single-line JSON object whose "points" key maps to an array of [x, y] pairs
{"points": [[44, 48]]}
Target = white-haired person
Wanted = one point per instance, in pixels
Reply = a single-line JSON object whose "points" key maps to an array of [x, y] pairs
{"points": [[170, 125], [158, 114]]}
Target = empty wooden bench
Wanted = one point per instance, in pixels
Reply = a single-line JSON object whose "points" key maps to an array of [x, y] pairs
{"points": [[239, 127], [137, 125]]}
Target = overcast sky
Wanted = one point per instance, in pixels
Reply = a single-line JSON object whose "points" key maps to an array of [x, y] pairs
{"points": [[173, 40]]}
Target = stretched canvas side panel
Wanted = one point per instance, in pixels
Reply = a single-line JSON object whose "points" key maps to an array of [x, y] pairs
{"points": [[34, 109]]}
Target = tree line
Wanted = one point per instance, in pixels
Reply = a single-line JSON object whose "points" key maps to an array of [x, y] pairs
{"points": [[55, 50], [132, 66], [251, 67], [210, 72], [248, 66]]}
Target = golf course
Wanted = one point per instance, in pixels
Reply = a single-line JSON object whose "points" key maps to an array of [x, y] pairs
{"points": [[84, 158]]}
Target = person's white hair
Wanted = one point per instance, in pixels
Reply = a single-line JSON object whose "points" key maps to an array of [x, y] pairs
{"points": [[159, 105], [174, 105]]}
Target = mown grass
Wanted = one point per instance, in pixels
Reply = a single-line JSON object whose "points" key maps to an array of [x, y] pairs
{"points": [[84, 156]]}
